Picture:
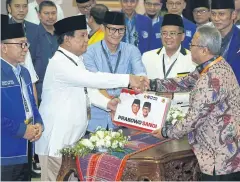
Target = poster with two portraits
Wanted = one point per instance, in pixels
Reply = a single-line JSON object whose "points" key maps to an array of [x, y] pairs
{"points": [[145, 112]]}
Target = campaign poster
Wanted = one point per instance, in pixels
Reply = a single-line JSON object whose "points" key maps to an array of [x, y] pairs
{"points": [[145, 112]]}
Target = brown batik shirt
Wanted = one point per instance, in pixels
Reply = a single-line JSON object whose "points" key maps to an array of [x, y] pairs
{"points": [[213, 119]]}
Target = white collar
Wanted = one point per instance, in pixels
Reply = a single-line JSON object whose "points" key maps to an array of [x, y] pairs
{"points": [[71, 55], [174, 56]]}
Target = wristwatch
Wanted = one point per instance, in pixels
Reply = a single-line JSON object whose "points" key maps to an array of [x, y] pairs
{"points": [[164, 132]]}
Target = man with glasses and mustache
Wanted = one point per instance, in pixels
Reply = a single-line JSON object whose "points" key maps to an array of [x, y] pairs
{"points": [[112, 56], [172, 59], [223, 15], [20, 119], [201, 12], [174, 7], [138, 27], [153, 8], [212, 122]]}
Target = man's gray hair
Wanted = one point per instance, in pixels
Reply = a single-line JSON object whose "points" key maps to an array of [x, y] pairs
{"points": [[211, 38]]}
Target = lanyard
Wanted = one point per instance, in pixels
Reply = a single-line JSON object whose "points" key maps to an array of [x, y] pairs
{"points": [[211, 64], [25, 104], [169, 69], [74, 62], [108, 62], [130, 30]]}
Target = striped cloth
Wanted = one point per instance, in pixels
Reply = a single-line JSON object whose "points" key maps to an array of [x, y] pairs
{"points": [[110, 166]]}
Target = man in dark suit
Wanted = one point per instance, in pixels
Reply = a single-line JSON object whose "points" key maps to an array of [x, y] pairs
{"points": [[18, 10], [223, 15]]}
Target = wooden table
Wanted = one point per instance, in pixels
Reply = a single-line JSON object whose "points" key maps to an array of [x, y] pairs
{"points": [[170, 161]]}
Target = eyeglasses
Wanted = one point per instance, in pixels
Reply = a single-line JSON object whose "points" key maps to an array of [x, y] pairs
{"points": [[155, 5], [170, 34], [112, 30], [22, 44], [201, 11], [85, 7], [195, 45], [177, 4], [130, 1]]}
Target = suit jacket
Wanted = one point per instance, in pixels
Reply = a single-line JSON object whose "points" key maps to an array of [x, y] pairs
{"points": [[233, 55], [153, 63], [143, 27], [31, 31], [156, 42]]}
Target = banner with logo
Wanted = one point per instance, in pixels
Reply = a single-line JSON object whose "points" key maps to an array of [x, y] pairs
{"points": [[145, 112]]}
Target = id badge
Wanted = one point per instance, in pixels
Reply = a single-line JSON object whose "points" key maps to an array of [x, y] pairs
{"points": [[88, 107]]}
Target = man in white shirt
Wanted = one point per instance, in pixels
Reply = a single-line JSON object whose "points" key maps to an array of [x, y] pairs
{"points": [[201, 12], [33, 9], [65, 106], [172, 59]]}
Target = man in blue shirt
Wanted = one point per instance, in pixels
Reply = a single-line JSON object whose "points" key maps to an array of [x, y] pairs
{"points": [[20, 119], [138, 27], [222, 16], [174, 7], [112, 56], [46, 41]]}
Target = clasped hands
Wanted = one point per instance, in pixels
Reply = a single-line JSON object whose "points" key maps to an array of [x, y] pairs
{"points": [[139, 83], [33, 132]]}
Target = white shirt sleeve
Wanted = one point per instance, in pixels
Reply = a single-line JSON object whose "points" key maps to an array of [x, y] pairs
{"points": [[80, 77], [98, 99], [29, 65]]}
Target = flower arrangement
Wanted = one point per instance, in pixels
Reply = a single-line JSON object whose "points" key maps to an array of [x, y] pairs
{"points": [[101, 141], [174, 114]]}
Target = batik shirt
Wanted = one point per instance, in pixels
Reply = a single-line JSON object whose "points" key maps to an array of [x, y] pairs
{"points": [[213, 119]]}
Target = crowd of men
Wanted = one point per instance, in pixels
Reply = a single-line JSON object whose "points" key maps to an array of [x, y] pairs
{"points": [[61, 77]]}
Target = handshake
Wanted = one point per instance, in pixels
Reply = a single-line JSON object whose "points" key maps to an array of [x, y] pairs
{"points": [[139, 83]]}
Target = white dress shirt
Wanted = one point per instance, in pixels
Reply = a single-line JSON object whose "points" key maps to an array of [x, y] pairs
{"points": [[63, 106], [32, 15], [29, 65], [153, 61]]}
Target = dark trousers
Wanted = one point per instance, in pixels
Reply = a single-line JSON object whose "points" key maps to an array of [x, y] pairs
{"points": [[226, 177], [18, 172]]}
